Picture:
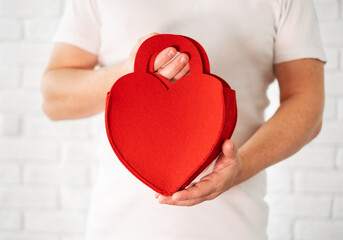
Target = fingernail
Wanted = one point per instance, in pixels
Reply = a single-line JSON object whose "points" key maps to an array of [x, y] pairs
{"points": [[183, 60], [171, 53]]}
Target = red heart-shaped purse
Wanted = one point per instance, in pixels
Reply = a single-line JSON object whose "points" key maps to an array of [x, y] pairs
{"points": [[167, 134]]}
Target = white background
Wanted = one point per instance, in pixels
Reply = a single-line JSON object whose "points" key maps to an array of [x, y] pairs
{"points": [[47, 168]]}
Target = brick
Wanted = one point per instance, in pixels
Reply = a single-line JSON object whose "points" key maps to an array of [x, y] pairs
{"points": [[10, 29], [331, 132], [32, 78], [35, 54], [10, 54], [79, 152], [10, 173], [27, 236], [75, 197], [327, 9], [73, 238], [318, 229], [340, 158], [24, 53], [55, 221], [279, 227], [32, 8], [278, 181], [40, 29], [20, 102], [324, 182], [55, 174], [10, 125], [30, 150], [333, 59], [10, 220], [334, 84], [330, 109], [340, 109], [27, 197], [310, 157], [299, 206], [9, 77], [331, 35], [338, 207], [38, 126]]}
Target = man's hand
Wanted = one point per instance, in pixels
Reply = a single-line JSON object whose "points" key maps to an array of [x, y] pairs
{"points": [[209, 187], [174, 70]]}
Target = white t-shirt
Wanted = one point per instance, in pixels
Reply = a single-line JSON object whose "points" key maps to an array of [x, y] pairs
{"points": [[243, 39]]}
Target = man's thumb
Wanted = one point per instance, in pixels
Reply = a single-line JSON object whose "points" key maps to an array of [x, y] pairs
{"points": [[229, 149], [228, 155]]}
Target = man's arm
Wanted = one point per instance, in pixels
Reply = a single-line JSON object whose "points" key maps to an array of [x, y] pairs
{"points": [[72, 88], [296, 122]]}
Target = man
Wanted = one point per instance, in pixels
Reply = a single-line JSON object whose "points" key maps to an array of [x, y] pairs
{"points": [[249, 43]]}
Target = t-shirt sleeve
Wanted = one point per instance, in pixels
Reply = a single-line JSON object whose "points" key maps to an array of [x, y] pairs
{"points": [[80, 25], [297, 32]]}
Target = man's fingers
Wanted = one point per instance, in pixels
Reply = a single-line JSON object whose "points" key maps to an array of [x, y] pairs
{"points": [[200, 190], [189, 197], [165, 65], [185, 203], [163, 57], [174, 67], [183, 72]]}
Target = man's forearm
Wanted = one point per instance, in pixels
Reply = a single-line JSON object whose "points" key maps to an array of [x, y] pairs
{"points": [[71, 93], [297, 121]]}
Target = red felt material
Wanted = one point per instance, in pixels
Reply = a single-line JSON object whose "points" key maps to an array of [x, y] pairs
{"points": [[167, 134]]}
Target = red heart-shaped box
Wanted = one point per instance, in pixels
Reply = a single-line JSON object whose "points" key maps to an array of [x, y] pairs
{"points": [[167, 134]]}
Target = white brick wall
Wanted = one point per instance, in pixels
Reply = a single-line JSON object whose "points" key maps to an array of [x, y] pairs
{"points": [[305, 191], [10, 220], [45, 174], [27, 197], [318, 229], [47, 169], [54, 221]]}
